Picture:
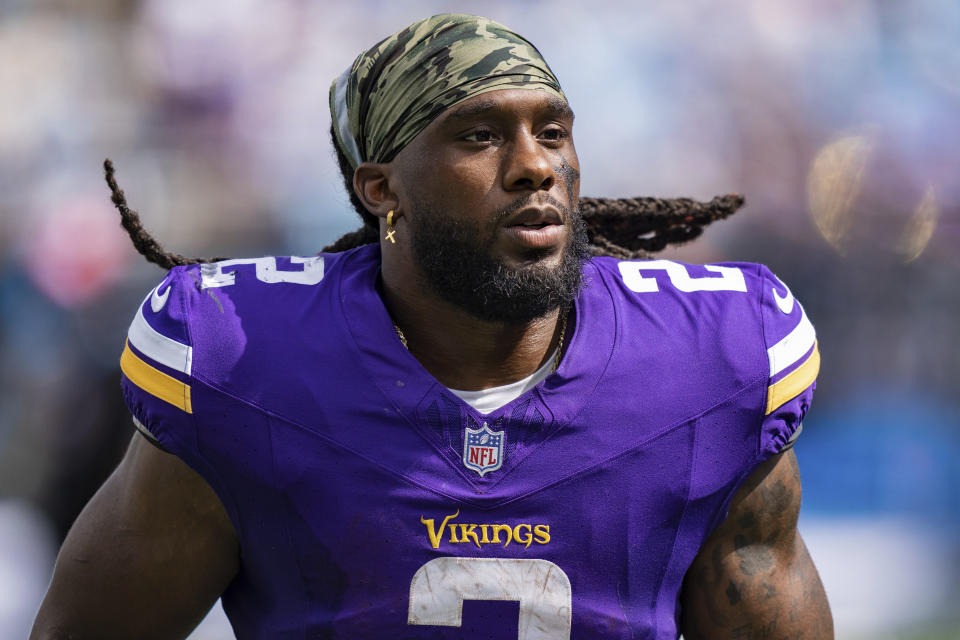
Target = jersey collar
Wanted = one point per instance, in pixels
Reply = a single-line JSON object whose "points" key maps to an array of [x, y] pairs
{"points": [[411, 390]]}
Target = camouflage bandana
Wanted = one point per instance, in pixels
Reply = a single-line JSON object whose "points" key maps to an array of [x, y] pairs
{"points": [[392, 91]]}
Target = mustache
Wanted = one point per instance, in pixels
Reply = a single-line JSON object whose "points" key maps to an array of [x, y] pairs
{"points": [[505, 212]]}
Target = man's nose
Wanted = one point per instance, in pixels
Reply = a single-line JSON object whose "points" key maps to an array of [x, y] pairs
{"points": [[528, 166]]}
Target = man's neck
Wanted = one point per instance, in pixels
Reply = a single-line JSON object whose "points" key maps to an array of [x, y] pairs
{"points": [[463, 351]]}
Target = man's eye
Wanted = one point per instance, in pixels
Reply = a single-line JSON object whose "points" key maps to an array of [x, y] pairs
{"points": [[554, 135], [482, 135]]}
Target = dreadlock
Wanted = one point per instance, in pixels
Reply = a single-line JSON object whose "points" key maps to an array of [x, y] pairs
{"points": [[143, 241], [625, 228]]}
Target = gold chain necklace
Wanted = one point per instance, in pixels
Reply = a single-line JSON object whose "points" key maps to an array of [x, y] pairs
{"points": [[563, 332], [556, 357]]}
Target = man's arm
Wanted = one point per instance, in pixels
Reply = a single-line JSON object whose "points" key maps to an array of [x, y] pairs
{"points": [[753, 578], [147, 557]]}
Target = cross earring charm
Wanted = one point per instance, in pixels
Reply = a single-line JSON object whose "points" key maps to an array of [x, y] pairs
{"points": [[390, 228]]}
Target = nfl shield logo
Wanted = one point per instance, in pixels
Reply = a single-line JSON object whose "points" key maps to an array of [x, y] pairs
{"points": [[482, 449]]}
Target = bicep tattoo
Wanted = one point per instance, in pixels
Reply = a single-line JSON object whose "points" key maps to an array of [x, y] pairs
{"points": [[753, 578]]}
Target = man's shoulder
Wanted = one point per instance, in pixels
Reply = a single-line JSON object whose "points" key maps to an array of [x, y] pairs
{"points": [[217, 313], [679, 292], [736, 319], [732, 294], [256, 284], [213, 338], [700, 292]]}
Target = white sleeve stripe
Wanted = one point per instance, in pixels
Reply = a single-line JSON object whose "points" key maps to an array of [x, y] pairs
{"points": [[158, 347], [146, 432], [793, 347]]}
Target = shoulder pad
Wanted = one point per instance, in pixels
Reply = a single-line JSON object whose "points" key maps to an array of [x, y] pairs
{"points": [[791, 342], [794, 360], [158, 356], [157, 363]]}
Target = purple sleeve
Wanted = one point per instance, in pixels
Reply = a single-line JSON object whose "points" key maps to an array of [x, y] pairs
{"points": [[794, 360], [157, 363]]}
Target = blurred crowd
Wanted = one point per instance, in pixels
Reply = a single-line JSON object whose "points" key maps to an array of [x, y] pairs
{"points": [[838, 119]]}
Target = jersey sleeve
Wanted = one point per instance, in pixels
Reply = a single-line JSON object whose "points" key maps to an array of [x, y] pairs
{"points": [[157, 362], [794, 359]]}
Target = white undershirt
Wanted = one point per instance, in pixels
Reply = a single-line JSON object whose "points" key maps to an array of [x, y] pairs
{"points": [[488, 400]]}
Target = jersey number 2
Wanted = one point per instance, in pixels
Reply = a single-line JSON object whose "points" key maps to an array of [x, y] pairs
{"points": [[731, 278], [213, 275], [439, 588]]}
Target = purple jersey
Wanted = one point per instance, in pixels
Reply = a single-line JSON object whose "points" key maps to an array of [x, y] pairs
{"points": [[370, 502]]}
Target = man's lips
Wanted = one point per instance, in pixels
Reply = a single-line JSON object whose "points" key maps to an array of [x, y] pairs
{"points": [[534, 217], [535, 228]]}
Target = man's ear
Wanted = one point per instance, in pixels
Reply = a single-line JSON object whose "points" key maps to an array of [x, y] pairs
{"points": [[371, 183]]}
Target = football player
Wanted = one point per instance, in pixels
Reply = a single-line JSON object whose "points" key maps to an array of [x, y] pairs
{"points": [[469, 428]]}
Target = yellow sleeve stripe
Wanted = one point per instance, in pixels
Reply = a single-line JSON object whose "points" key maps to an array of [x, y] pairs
{"points": [[798, 380], [154, 381]]}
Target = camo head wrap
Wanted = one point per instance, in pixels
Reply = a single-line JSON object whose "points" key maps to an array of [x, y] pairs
{"points": [[392, 91]]}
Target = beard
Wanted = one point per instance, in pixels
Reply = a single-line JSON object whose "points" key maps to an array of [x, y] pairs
{"points": [[457, 263]]}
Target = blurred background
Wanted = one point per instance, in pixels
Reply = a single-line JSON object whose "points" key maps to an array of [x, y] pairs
{"points": [[839, 120]]}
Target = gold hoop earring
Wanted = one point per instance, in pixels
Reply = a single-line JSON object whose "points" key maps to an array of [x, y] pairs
{"points": [[390, 228]]}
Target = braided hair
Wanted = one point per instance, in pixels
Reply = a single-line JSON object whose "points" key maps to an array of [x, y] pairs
{"points": [[626, 228], [143, 241]]}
